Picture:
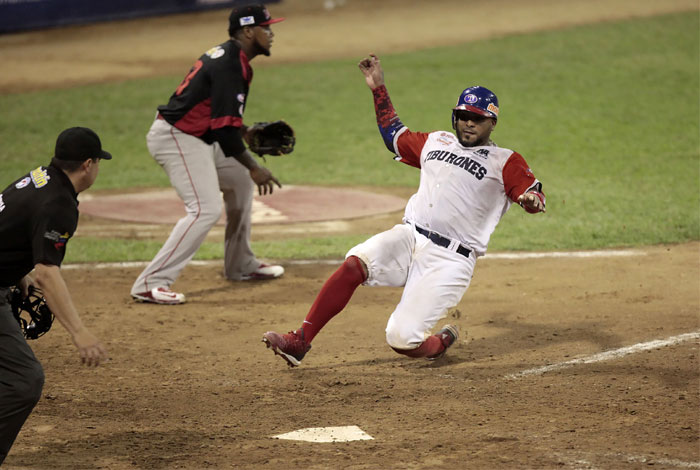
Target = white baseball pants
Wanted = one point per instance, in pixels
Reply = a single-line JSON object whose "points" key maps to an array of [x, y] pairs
{"points": [[434, 280]]}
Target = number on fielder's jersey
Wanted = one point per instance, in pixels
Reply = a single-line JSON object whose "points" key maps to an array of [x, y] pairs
{"points": [[195, 68]]}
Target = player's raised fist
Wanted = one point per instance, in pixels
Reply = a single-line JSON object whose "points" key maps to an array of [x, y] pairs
{"points": [[372, 70]]}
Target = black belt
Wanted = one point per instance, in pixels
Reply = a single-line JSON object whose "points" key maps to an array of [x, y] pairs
{"points": [[442, 241]]}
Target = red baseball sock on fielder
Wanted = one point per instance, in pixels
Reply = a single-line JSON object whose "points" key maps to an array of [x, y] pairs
{"points": [[334, 296]]}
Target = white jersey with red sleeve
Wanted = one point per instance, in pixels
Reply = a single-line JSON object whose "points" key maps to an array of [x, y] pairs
{"points": [[463, 191]]}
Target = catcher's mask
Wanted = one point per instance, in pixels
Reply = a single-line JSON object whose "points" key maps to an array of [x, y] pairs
{"points": [[479, 100], [33, 315]]}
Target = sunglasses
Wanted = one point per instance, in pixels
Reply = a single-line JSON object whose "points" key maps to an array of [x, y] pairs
{"points": [[469, 116]]}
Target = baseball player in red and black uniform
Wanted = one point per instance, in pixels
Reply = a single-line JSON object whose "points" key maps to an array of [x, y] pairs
{"points": [[38, 215], [467, 184], [198, 139]]}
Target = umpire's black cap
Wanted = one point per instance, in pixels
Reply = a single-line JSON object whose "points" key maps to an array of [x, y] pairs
{"points": [[250, 15], [79, 144]]}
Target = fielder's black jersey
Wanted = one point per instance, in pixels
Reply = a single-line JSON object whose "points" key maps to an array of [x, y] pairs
{"points": [[213, 94], [38, 214]]}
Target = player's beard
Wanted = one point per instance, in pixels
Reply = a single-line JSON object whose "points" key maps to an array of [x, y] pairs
{"points": [[260, 50], [481, 140], [475, 143]]}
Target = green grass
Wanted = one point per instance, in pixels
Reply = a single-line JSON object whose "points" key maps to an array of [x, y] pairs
{"points": [[606, 115], [86, 249]]}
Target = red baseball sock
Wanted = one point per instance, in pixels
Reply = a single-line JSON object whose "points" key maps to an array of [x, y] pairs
{"points": [[334, 296], [430, 347]]}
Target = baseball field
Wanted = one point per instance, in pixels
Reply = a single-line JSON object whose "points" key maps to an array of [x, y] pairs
{"points": [[580, 330]]}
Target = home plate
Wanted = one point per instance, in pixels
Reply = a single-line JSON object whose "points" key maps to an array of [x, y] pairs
{"points": [[329, 434]]}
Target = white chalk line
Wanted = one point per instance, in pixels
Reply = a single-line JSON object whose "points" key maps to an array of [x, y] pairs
{"points": [[552, 254], [213, 262], [566, 254], [660, 460], [586, 460], [608, 355]]}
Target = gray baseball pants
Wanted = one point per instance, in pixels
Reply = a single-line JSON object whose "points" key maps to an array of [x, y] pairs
{"points": [[200, 173]]}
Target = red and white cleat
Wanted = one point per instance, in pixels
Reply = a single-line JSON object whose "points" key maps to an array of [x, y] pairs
{"points": [[264, 272], [448, 335], [161, 295], [291, 346]]}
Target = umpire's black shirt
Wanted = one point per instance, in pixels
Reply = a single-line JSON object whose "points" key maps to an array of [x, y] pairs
{"points": [[38, 214]]}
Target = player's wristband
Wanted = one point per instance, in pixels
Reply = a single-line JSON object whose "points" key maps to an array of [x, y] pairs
{"points": [[541, 198]]}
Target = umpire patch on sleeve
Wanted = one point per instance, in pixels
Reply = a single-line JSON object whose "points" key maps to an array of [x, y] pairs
{"points": [[40, 177], [23, 183], [59, 239]]}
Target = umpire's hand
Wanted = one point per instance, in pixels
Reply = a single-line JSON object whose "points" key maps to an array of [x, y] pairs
{"points": [[92, 353]]}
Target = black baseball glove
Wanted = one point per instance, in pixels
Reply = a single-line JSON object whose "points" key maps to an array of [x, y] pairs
{"points": [[40, 317], [271, 138]]}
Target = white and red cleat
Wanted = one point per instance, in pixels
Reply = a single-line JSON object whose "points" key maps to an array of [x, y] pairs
{"points": [[264, 272], [161, 295]]}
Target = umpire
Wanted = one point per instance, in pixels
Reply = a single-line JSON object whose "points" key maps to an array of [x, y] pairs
{"points": [[38, 215]]}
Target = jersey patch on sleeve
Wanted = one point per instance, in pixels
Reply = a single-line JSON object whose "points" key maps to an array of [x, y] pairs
{"points": [[215, 52]]}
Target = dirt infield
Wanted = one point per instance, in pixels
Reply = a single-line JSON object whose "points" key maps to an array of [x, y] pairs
{"points": [[193, 387]]}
